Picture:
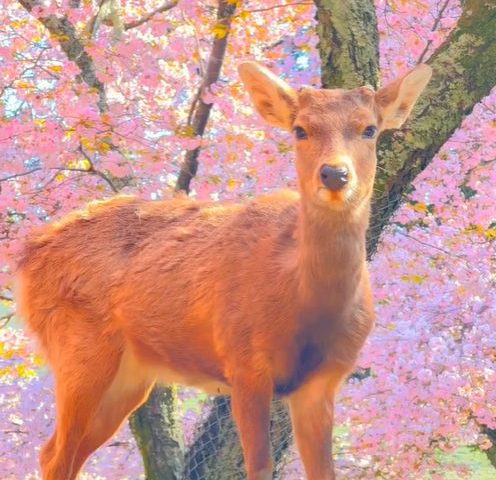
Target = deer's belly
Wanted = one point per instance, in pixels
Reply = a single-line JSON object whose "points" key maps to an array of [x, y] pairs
{"points": [[135, 370], [209, 385]]}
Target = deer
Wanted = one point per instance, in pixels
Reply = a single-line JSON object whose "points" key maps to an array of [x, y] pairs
{"points": [[259, 300]]}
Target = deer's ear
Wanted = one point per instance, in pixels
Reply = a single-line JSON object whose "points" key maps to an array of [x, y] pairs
{"points": [[396, 100], [273, 98]]}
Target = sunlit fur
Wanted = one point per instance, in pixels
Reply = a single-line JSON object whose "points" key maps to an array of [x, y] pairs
{"points": [[267, 298]]}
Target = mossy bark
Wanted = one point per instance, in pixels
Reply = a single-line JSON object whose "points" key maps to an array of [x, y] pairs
{"points": [[159, 435], [348, 43], [464, 73]]}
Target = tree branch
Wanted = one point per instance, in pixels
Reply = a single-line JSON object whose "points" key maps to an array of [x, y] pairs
{"points": [[449, 254], [5, 319], [201, 113], [94, 171], [433, 29], [466, 178], [110, 12], [274, 7], [464, 69], [163, 8], [63, 30], [22, 174]]}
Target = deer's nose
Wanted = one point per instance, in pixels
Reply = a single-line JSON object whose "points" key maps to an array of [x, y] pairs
{"points": [[334, 178]]}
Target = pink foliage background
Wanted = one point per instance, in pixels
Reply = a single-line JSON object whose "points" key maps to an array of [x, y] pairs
{"points": [[431, 355]]}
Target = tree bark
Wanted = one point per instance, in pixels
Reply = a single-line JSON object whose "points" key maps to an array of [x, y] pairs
{"points": [[63, 30], [216, 451], [464, 73], [200, 111], [159, 435], [348, 43]]}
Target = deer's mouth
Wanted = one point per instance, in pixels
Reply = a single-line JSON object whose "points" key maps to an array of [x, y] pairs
{"points": [[337, 199]]}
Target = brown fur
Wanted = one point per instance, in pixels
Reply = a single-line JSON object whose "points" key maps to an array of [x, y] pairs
{"points": [[268, 298]]}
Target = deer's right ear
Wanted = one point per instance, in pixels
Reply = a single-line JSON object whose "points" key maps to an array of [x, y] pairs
{"points": [[273, 98], [396, 100]]}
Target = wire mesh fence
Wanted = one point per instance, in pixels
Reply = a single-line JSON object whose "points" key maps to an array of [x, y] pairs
{"points": [[214, 450]]}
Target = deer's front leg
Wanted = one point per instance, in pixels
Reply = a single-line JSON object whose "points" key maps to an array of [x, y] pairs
{"points": [[251, 399], [312, 415]]}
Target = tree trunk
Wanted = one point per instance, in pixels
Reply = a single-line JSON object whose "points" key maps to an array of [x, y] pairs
{"points": [[348, 43], [216, 451], [159, 435], [464, 73]]}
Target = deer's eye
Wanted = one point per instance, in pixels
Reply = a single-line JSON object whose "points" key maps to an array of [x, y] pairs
{"points": [[369, 131], [300, 133]]}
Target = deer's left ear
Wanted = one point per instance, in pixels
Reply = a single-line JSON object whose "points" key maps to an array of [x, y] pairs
{"points": [[396, 100], [274, 99]]}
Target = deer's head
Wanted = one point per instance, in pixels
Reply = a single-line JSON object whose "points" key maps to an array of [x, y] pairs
{"points": [[335, 131]]}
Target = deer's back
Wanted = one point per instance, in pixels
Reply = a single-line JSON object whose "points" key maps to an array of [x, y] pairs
{"points": [[86, 254], [166, 273]]}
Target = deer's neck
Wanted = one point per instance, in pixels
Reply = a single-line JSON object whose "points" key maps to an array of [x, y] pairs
{"points": [[331, 255]]}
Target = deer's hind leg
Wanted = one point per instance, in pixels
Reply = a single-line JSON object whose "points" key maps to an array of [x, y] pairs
{"points": [[84, 365], [48, 450], [126, 393]]}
